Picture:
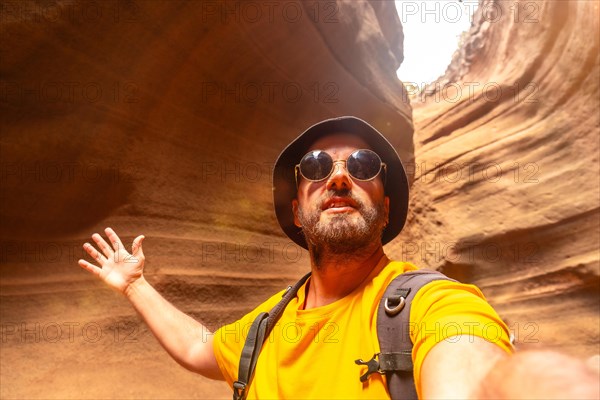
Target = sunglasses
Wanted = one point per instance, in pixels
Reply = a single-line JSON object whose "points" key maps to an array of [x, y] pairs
{"points": [[362, 165]]}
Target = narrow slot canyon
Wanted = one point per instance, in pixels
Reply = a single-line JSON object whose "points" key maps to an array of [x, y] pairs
{"points": [[165, 118]]}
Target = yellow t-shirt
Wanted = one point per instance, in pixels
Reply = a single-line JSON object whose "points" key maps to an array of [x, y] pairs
{"points": [[310, 353]]}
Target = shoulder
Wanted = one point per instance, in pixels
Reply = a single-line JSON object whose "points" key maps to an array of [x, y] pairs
{"points": [[443, 311], [445, 293], [228, 340], [392, 270]]}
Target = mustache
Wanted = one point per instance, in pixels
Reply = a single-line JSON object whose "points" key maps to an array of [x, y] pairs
{"points": [[339, 193]]}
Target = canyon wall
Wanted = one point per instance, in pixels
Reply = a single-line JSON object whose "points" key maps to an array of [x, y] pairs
{"points": [[507, 187], [165, 118]]}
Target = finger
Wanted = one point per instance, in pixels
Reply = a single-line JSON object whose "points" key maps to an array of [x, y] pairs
{"points": [[95, 254], [105, 247], [90, 267], [114, 239], [136, 247]]}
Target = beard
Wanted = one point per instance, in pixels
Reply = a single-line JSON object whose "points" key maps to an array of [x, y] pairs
{"points": [[344, 233]]}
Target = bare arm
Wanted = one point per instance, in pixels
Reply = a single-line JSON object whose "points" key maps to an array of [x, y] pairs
{"points": [[474, 368], [541, 374], [184, 338], [454, 367]]}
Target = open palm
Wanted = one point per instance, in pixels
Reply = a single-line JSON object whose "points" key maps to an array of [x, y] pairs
{"points": [[118, 268]]}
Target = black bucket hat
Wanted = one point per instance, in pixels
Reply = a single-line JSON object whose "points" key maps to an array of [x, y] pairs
{"points": [[284, 183]]}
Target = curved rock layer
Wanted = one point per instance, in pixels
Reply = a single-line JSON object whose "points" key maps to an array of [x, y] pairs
{"points": [[507, 188], [163, 118]]}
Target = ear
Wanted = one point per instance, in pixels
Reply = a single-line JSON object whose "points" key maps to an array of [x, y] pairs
{"points": [[295, 212], [386, 206]]}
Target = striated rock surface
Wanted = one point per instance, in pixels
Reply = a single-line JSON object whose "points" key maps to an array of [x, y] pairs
{"points": [[165, 118], [507, 187], [162, 118]]}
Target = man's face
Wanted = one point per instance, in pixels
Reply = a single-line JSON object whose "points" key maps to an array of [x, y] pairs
{"points": [[340, 213]]}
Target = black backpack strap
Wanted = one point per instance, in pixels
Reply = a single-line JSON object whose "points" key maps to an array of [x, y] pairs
{"points": [[259, 331], [289, 294], [393, 330], [252, 346]]}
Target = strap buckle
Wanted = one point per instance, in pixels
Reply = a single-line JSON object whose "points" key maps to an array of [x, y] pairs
{"points": [[287, 290], [372, 367], [394, 303], [239, 390]]}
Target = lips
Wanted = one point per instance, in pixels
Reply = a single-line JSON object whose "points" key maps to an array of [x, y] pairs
{"points": [[339, 203]]}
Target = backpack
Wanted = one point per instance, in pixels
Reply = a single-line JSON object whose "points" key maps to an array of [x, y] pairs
{"points": [[393, 314]]}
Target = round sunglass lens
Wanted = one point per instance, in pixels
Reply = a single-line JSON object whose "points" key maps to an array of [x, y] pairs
{"points": [[364, 164], [316, 165]]}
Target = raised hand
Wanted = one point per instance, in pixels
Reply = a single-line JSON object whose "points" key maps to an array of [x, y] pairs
{"points": [[118, 268]]}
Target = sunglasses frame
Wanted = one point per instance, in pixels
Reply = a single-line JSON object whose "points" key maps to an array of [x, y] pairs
{"points": [[382, 166]]}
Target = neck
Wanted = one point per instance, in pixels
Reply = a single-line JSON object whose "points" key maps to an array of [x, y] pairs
{"points": [[334, 276]]}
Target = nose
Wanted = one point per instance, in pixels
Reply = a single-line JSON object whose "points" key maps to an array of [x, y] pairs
{"points": [[339, 178]]}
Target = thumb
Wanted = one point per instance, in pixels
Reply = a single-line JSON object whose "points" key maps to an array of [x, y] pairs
{"points": [[136, 247]]}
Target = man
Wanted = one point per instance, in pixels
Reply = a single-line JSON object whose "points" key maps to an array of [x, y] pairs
{"points": [[340, 191]]}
